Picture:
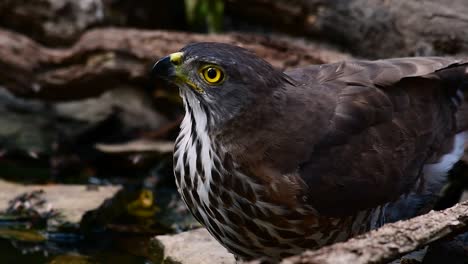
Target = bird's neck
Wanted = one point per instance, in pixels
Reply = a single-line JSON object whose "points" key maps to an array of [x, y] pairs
{"points": [[194, 149]]}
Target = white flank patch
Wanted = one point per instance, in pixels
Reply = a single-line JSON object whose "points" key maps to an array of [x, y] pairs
{"points": [[436, 171]]}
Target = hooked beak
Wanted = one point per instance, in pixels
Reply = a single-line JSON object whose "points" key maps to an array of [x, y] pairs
{"points": [[165, 68]]}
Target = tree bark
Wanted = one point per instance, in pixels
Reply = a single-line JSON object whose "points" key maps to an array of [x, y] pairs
{"points": [[61, 22], [392, 240], [369, 28], [103, 58], [54, 22]]}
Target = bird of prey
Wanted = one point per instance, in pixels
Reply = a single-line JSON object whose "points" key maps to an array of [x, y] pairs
{"points": [[273, 162]]}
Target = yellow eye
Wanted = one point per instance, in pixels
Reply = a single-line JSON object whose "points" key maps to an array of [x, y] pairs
{"points": [[212, 74]]}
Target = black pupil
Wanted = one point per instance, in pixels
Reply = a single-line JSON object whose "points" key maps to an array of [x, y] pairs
{"points": [[211, 73]]}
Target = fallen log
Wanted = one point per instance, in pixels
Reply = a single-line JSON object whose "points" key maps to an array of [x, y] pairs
{"points": [[369, 28], [103, 58], [50, 21], [61, 22], [392, 240]]}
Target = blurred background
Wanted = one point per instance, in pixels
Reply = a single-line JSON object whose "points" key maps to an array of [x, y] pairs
{"points": [[86, 136]]}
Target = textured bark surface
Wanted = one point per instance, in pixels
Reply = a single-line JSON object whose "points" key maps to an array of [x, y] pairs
{"points": [[61, 22], [103, 58], [370, 28], [52, 22], [392, 240]]}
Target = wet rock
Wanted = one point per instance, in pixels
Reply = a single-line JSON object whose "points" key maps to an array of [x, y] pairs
{"points": [[192, 247], [59, 140], [72, 201], [453, 251], [141, 210]]}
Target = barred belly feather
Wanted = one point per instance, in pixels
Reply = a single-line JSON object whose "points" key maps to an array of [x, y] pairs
{"points": [[231, 205]]}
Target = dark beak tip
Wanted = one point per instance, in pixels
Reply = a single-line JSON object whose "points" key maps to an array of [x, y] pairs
{"points": [[163, 68]]}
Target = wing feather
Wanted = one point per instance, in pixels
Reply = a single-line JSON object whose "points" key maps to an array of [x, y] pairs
{"points": [[391, 117]]}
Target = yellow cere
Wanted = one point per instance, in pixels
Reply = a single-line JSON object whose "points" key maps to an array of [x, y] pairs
{"points": [[176, 58], [212, 74]]}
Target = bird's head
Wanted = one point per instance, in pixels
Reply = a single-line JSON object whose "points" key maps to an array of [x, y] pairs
{"points": [[222, 78]]}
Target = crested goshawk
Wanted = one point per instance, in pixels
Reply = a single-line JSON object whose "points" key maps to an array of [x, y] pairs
{"points": [[275, 162]]}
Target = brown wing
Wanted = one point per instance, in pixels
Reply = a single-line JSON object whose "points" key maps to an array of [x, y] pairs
{"points": [[391, 117]]}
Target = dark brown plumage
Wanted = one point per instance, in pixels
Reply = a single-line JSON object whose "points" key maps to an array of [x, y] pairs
{"points": [[273, 163]]}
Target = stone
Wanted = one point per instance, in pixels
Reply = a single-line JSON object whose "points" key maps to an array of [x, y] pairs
{"points": [[72, 201], [191, 247]]}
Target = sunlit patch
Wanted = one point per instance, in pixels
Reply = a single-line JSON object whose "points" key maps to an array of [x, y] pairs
{"points": [[144, 205]]}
